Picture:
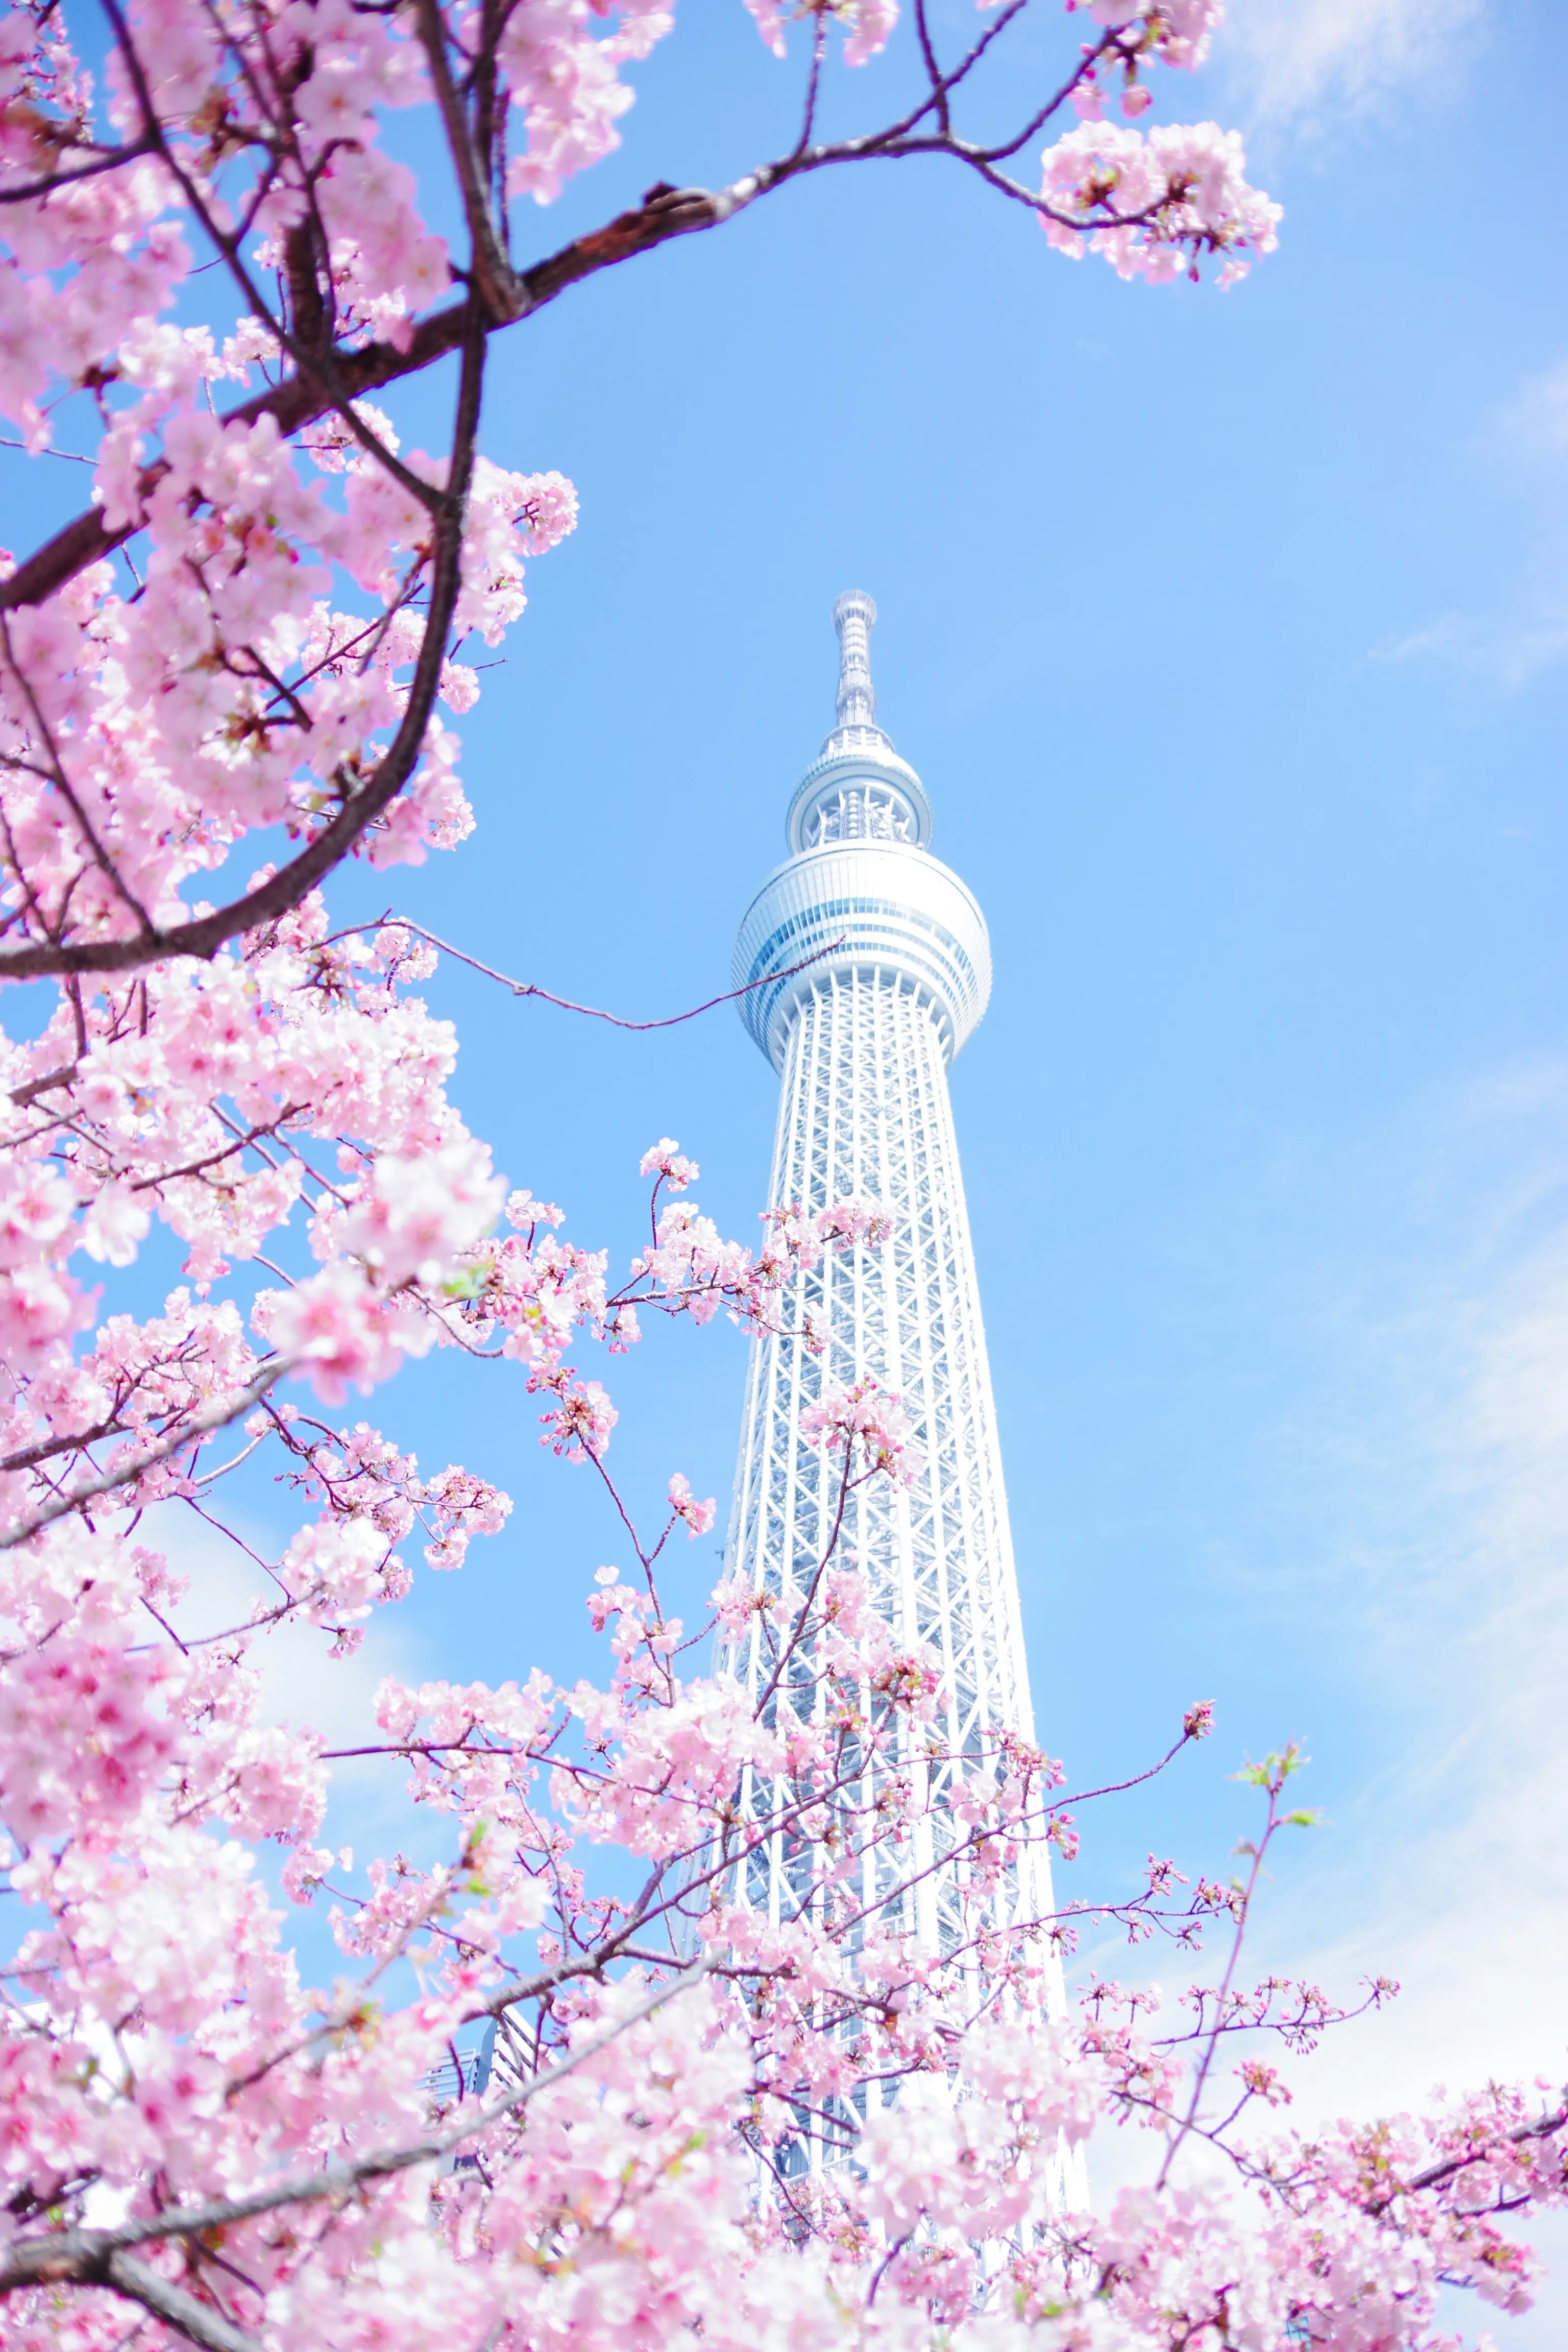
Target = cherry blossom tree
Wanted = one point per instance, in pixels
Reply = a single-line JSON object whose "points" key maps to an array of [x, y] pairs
{"points": [[236, 668]]}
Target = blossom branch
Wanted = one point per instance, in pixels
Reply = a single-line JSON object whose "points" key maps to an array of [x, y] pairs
{"points": [[199, 1425], [77, 2255]]}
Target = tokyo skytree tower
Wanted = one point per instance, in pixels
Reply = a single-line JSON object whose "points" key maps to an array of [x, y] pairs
{"points": [[862, 1038]]}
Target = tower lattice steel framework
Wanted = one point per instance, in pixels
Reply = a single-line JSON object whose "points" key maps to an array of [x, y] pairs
{"points": [[862, 1039]]}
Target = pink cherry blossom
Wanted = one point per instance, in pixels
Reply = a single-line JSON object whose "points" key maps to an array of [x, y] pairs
{"points": [[580, 1422], [1156, 206], [867, 23], [665, 1161], [415, 1216], [868, 1421], [699, 1516]]}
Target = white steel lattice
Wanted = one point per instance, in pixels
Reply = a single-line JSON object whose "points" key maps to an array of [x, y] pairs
{"points": [[865, 1112], [862, 1038]]}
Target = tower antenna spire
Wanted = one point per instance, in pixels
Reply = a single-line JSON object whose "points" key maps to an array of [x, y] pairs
{"points": [[858, 787], [853, 617]]}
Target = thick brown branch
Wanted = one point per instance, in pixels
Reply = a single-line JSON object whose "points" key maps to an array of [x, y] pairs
{"points": [[494, 278], [307, 316], [198, 2321], [22, 1096], [297, 402]]}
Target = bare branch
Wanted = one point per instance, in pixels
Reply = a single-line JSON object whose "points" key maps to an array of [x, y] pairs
{"points": [[592, 1011], [494, 278]]}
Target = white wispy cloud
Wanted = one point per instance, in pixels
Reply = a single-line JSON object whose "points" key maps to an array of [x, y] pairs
{"points": [[1503, 651], [1417, 1498], [1313, 63], [1523, 441], [1454, 1873], [1532, 424], [1450, 1872]]}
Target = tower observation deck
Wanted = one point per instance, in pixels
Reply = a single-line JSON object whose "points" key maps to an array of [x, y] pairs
{"points": [[862, 1039]]}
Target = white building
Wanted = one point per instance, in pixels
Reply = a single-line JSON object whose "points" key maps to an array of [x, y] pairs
{"points": [[862, 1039]]}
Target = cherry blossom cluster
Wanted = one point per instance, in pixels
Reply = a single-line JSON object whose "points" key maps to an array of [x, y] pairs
{"points": [[868, 1422], [689, 1268], [868, 24], [1176, 32], [1156, 206], [1156, 209], [362, 1478]]}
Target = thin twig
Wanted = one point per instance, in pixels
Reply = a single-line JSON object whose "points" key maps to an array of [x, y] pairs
{"points": [[522, 988]]}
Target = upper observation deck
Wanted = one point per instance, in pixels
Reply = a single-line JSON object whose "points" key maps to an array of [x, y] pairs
{"points": [[860, 890]]}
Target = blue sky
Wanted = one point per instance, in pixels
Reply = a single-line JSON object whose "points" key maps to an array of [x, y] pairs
{"points": [[1230, 637]]}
